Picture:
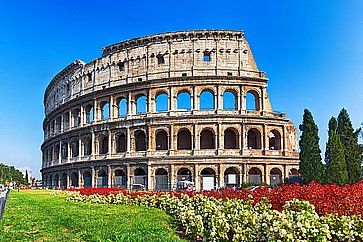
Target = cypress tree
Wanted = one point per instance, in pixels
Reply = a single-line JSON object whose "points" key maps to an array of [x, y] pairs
{"points": [[311, 166], [352, 151], [26, 177], [336, 170]]}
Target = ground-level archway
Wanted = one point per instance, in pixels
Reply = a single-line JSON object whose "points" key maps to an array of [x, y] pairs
{"points": [[87, 179], [74, 179], [139, 177], [231, 177], [184, 174], [275, 177], [254, 176], [161, 179], [208, 179], [63, 181], [120, 178], [102, 179]]}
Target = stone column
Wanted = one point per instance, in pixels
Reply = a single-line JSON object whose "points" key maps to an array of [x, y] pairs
{"points": [[93, 175], [284, 148], [110, 146], [128, 140], [80, 179], [71, 121], [171, 139], [149, 104], [193, 97], [128, 176], [112, 108], [172, 177], [80, 148], [93, 144], [109, 176], [95, 111], [196, 178], [220, 176], [265, 138], [245, 173], [82, 114], [60, 153], [149, 178], [172, 101], [220, 138], [69, 152]]}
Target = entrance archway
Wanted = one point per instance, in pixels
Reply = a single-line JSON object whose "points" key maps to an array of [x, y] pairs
{"points": [[231, 177], [275, 177], [255, 176], [87, 179], [161, 179], [120, 178], [208, 179], [102, 179]]}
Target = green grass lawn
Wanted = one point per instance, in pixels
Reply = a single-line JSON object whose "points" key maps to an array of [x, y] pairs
{"points": [[42, 216]]}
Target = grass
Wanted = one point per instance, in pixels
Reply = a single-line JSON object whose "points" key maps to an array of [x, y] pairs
{"points": [[42, 216]]}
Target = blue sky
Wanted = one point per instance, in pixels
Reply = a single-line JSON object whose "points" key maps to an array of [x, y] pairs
{"points": [[312, 52]]}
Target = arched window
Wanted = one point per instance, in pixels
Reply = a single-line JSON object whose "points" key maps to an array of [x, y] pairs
{"points": [[87, 144], [74, 179], [76, 115], [161, 140], [64, 151], [230, 139], [122, 107], [140, 140], [140, 176], [229, 101], [183, 101], [103, 145], [65, 122], [75, 149], [275, 177], [105, 111], [161, 179], [208, 181], [184, 140], [162, 102], [231, 176], [63, 181], [121, 143], [184, 174], [102, 179], [120, 178], [207, 139], [274, 140], [206, 101], [141, 104], [252, 100], [255, 176], [87, 179], [89, 114], [254, 139]]}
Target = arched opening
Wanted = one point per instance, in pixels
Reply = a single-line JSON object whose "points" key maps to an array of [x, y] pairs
{"points": [[206, 101], [65, 122], [64, 151], [76, 114], [254, 139], [87, 144], [230, 139], [184, 140], [121, 143], [140, 177], [103, 146], [87, 179], [184, 101], [75, 149], [208, 179], [207, 139], [141, 104], [50, 181], [74, 179], [255, 176], [122, 107], [102, 179], [231, 177], [140, 140], [120, 178], [63, 181], [89, 114], [184, 174], [274, 140], [56, 181], [162, 140], [161, 179], [229, 100], [275, 177], [252, 100], [162, 102], [293, 172], [105, 111]]}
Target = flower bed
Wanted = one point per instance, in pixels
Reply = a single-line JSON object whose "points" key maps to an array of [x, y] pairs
{"points": [[327, 199], [208, 218]]}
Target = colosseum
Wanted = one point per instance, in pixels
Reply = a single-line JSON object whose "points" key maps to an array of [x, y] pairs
{"points": [[189, 105]]}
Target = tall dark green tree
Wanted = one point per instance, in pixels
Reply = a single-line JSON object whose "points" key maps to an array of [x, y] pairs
{"points": [[352, 152], [26, 177], [311, 166], [336, 170]]}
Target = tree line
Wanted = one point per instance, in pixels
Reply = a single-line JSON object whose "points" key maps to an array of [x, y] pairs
{"points": [[11, 174], [343, 154]]}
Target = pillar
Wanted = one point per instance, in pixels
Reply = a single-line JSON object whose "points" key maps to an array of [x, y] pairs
{"points": [[93, 180], [112, 108], [128, 140], [196, 178], [109, 176]]}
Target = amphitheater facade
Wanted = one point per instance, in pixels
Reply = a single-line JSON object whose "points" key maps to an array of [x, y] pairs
{"points": [[156, 110]]}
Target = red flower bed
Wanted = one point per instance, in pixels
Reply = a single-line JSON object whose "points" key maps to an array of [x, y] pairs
{"points": [[343, 200]]}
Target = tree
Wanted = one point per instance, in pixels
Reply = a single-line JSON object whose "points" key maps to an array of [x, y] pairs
{"points": [[26, 177], [336, 170], [352, 151], [311, 166]]}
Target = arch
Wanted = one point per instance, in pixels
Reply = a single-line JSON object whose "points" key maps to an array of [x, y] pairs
{"points": [[89, 114], [162, 102], [206, 100], [122, 107], [184, 174], [105, 110], [121, 143], [229, 100], [75, 148], [207, 140], [275, 176], [161, 179], [230, 139], [139, 176], [140, 140], [184, 101], [102, 179], [76, 115], [87, 179], [254, 139], [231, 177], [64, 181], [56, 180], [208, 181], [64, 151], [274, 140], [87, 145], [252, 100], [120, 178], [141, 104], [255, 176], [162, 140], [184, 140], [74, 179], [293, 172], [103, 145]]}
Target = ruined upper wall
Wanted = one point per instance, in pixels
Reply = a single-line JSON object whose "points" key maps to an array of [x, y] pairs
{"points": [[136, 60]]}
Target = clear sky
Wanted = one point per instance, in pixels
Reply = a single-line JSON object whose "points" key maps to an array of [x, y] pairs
{"points": [[312, 52]]}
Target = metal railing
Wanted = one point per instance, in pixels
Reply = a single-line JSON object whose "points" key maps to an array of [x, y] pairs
{"points": [[3, 199]]}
